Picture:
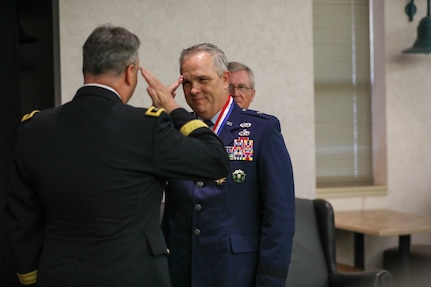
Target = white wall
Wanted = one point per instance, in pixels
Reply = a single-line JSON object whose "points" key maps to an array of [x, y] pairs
{"points": [[275, 39]]}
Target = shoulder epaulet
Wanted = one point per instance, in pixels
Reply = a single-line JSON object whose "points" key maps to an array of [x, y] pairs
{"points": [[257, 115], [254, 113], [154, 112], [29, 116]]}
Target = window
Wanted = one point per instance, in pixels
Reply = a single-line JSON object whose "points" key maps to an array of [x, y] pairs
{"points": [[345, 91]]}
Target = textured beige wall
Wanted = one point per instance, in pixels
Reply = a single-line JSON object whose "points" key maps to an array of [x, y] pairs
{"points": [[275, 39], [409, 107], [408, 123], [275, 44]]}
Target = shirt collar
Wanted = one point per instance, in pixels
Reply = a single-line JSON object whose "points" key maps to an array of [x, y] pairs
{"points": [[102, 86]]}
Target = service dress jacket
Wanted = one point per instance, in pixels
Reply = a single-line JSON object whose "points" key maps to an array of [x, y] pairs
{"points": [[237, 230], [88, 180]]}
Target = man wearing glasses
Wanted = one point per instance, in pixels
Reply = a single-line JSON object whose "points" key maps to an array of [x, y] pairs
{"points": [[241, 84]]}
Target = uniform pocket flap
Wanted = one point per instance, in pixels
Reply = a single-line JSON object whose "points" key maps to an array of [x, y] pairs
{"points": [[241, 243], [156, 241]]}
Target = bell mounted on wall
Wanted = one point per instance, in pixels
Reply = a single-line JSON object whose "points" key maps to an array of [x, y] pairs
{"points": [[422, 45]]}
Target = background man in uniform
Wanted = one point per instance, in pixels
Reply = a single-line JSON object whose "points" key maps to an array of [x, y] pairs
{"points": [[237, 230], [89, 175], [241, 84]]}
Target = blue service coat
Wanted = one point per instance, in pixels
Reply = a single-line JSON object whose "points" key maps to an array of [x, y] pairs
{"points": [[236, 231]]}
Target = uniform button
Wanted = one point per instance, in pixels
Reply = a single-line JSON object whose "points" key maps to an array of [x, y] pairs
{"points": [[198, 207], [197, 231], [199, 184], [168, 251]]}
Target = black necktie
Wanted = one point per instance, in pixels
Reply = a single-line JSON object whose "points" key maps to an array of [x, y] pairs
{"points": [[209, 123]]}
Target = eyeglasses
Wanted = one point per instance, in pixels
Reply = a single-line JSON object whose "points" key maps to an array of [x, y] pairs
{"points": [[240, 87]]}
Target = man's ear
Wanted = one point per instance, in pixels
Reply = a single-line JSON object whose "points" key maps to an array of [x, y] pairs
{"points": [[130, 74], [226, 77]]}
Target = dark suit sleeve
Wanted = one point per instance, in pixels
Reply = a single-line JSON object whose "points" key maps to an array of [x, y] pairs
{"points": [[278, 199], [26, 225], [190, 150]]}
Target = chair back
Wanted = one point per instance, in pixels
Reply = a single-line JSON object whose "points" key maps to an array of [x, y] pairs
{"points": [[308, 265]]}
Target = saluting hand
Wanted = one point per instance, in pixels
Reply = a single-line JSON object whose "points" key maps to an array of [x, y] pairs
{"points": [[174, 86], [162, 96]]}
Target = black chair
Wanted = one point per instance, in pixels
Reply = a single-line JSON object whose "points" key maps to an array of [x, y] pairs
{"points": [[313, 261]]}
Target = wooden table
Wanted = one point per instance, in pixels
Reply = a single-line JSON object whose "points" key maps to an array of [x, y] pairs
{"points": [[381, 222]]}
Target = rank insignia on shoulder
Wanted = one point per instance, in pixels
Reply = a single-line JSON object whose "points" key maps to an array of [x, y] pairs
{"points": [[29, 116], [154, 112]]}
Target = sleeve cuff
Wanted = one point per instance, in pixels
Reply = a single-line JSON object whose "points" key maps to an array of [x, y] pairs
{"points": [[192, 125], [28, 278], [185, 122]]}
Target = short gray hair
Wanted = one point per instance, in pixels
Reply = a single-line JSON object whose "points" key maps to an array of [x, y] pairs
{"points": [[237, 66], [219, 58], [109, 49]]}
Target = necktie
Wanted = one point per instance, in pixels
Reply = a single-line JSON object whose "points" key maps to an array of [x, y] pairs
{"points": [[209, 123]]}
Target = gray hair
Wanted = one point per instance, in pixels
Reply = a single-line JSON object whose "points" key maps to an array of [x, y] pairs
{"points": [[237, 66], [109, 49], [219, 58]]}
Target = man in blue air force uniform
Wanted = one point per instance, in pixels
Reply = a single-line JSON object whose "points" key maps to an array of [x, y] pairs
{"points": [[236, 230]]}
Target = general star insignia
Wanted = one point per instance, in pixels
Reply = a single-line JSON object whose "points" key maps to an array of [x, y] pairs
{"points": [[220, 181]]}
